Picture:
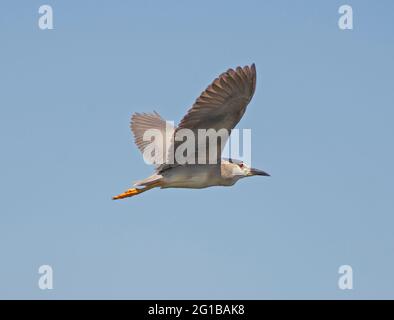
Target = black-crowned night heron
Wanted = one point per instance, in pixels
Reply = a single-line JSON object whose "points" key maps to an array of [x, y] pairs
{"points": [[220, 106]]}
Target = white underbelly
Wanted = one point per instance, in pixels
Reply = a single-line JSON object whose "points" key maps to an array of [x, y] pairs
{"points": [[184, 179]]}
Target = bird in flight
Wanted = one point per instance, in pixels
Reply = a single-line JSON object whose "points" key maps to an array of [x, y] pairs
{"points": [[220, 106]]}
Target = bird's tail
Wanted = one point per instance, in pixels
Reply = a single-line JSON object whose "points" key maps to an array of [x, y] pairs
{"points": [[134, 191]]}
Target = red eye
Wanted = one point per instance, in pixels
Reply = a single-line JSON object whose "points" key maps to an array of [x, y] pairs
{"points": [[241, 165]]}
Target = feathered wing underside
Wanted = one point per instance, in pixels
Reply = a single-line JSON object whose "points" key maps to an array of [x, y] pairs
{"points": [[141, 123], [220, 106]]}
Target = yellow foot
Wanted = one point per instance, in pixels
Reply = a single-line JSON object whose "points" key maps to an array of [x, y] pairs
{"points": [[128, 193]]}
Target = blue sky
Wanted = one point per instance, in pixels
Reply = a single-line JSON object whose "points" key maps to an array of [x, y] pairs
{"points": [[322, 125]]}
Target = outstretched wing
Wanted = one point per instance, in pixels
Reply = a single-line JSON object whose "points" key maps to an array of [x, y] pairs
{"points": [[220, 106], [141, 123]]}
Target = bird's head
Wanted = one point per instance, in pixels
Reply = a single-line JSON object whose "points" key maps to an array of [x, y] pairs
{"points": [[239, 169]]}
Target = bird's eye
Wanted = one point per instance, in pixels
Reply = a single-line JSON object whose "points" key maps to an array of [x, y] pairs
{"points": [[241, 165]]}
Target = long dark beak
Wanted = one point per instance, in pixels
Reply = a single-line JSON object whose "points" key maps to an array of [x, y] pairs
{"points": [[257, 172]]}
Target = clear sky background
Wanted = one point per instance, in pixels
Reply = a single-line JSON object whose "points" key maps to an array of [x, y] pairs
{"points": [[322, 125]]}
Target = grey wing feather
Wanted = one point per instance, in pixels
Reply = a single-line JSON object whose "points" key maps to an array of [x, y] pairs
{"points": [[220, 106], [224, 102], [141, 122]]}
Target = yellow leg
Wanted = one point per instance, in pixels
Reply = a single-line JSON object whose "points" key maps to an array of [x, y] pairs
{"points": [[128, 193], [134, 191]]}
